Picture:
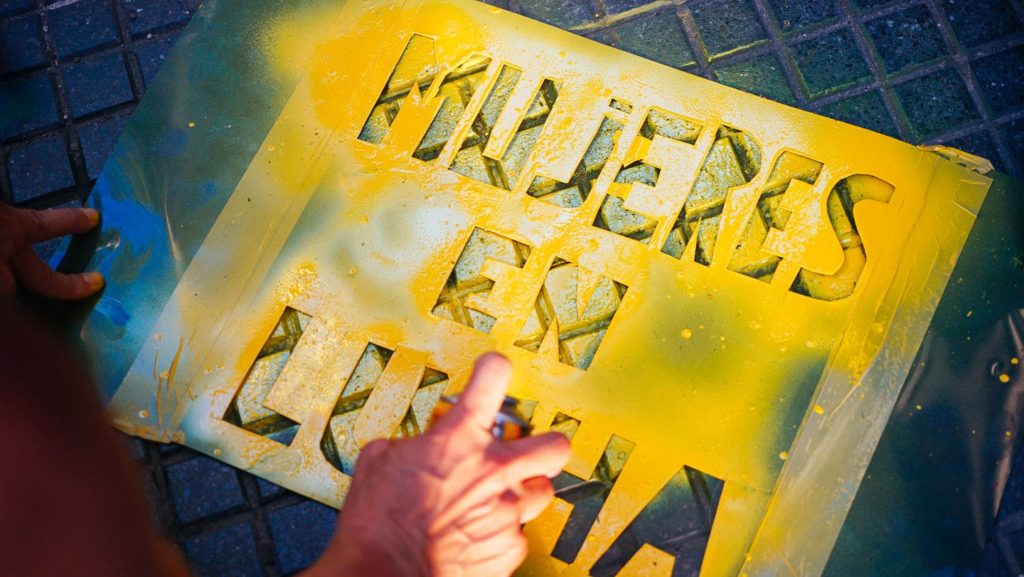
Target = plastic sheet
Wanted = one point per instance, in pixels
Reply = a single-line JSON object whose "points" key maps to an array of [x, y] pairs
{"points": [[321, 214]]}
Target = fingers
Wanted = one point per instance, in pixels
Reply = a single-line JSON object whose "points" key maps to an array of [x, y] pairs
{"points": [[371, 452], [34, 275], [502, 558], [534, 496], [537, 456], [483, 396], [490, 519], [512, 463], [46, 224]]}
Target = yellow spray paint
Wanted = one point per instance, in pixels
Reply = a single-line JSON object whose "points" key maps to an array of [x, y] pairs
{"points": [[707, 278]]}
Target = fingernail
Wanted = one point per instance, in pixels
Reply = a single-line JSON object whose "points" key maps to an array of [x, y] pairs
{"points": [[94, 280], [92, 215]]}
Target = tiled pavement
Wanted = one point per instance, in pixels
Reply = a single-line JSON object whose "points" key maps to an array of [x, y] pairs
{"points": [[926, 71]]}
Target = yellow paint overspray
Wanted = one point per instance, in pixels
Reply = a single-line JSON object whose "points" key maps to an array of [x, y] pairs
{"points": [[701, 365]]}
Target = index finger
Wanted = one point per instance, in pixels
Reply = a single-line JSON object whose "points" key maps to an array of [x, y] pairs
{"points": [[482, 398], [43, 225]]}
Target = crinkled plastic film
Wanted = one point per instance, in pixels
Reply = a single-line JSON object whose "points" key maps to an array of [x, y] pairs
{"points": [[322, 214]]}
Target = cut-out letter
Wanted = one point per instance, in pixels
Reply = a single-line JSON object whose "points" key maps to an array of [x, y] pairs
{"points": [[470, 160], [790, 170], [574, 307], [639, 174], [572, 193], [733, 161], [247, 409], [840, 205], [464, 298]]}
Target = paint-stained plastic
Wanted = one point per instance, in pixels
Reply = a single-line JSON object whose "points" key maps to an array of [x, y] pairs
{"points": [[780, 344]]}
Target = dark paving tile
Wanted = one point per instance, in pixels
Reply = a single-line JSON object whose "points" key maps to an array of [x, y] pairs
{"points": [[96, 83], [147, 15], [1014, 132], [616, 6], [39, 166], [301, 533], [979, 21], [1016, 548], [21, 43], [869, 4], [906, 38], [8, 7], [166, 448], [28, 104], [980, 144], [1001, 79], [267, 489], [761, 75], [151, 56], [82, 26], [98, 142], [725, 25], [830, 62], [936, 103], [658, 37], [796, 14], [561, 13], [227, 552], [865, 110], [201, 487]]}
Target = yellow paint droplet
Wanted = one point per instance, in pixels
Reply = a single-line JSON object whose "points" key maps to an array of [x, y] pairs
{"points": [[1004, 378], [970, 314], [1014, 361], [143, 414], [217, 452], [157, 337], [722, 338], [784, 455], [1009, 434], [191, 124], [686, 333], [819, 409], [164, 374], [918, 407]]}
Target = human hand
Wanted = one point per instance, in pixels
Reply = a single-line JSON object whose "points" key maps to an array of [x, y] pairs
{"points": [[450, 502], [19, 265]]}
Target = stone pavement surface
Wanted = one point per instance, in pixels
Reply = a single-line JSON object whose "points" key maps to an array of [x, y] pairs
{"points": [[925, 71]]}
